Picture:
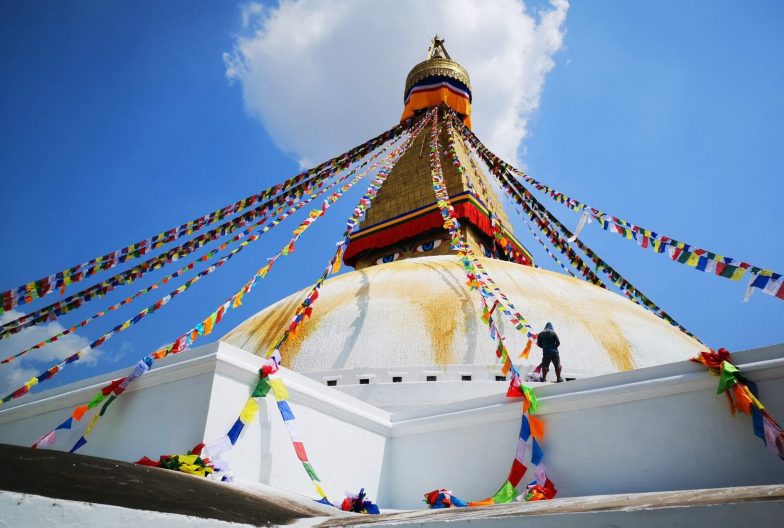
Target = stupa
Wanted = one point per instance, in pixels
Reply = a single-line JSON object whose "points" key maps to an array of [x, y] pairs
{"points": [[408, 308], [396, 383]]}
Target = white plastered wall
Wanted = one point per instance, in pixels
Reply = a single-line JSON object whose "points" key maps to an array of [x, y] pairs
{"points": [[659, 428]]}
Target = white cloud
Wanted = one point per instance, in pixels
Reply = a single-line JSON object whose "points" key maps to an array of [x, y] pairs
{"points": [[322, 76], [16, 373]]}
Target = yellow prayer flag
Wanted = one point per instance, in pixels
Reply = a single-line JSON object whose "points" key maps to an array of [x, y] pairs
{"points": [[31, 382], [320, 491], [281, 393], [238, 300], [187, 459], [208, 324], [90, 425], [751, 396], [191, 469], [338, 258], [249, 412], [738, 273], [693, 260]]}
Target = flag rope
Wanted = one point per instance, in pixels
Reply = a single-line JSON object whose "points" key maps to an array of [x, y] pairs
{"points": [[522, 196], [769, 281], [36, 289], [267, 381], [129, 276], [117, 387], [280, 214], [478, 279]]}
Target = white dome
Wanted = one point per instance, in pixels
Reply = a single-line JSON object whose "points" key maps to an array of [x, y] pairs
{"points": [[420, 312]]}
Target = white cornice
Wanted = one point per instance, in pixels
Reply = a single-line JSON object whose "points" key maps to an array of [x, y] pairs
{"points": [[231, 362], [78, 393]]}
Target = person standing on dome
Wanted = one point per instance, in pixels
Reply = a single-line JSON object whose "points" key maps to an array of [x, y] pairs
{"points": [[548, 341]]}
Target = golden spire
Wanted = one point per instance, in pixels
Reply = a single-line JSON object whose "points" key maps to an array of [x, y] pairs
{"points": [[438, 63]]}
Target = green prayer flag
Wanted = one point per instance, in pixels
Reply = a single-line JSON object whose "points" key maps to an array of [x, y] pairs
{"points": [[98, 399], [262, 388], [505, 494], [728, 376], [531, 395], [728, 271], [311, 471], [107, 404]]}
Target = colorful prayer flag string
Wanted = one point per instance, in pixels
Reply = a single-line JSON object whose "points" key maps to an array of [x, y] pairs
{"points": [[522, 196], [273, 360], [742, 395], [770, 282], [478, 279], [281, 215], [36, 289], [74, 301], [203, 328]]}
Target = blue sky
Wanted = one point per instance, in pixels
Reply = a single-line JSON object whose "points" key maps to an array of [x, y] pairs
{"points": [[120, 122]]}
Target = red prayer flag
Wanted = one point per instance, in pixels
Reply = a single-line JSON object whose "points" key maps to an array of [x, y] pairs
{"points": [[517, 472], [299, 447]]}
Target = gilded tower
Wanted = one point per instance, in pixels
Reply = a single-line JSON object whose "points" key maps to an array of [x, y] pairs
{"points": [[404, 221]]}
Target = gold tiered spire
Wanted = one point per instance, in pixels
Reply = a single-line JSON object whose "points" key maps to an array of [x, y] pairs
{"points": [[404, 221]]}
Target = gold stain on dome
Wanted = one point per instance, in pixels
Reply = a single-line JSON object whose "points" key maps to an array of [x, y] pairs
{"points": [[438, 62]]}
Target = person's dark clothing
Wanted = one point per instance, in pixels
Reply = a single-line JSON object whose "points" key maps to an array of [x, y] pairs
{"points": [[549, 343], [547, 358]]}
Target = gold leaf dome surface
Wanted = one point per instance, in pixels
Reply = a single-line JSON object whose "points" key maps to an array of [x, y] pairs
{"points": [[420, 312]]}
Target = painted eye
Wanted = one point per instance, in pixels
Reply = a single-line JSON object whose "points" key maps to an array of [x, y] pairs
{"points": [[392, 257], [428, 246]]}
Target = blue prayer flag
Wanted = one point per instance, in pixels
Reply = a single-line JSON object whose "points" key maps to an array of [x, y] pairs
{"points": [[79, 443], [525, 429], [234, 432], [285, 411], [536, 453], [66, 424]]}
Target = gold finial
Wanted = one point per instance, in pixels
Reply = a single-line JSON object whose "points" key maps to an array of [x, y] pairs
{"points": [[437, 49], [438, 62]]}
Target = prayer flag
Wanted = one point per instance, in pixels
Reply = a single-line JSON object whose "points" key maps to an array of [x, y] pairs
{"points": [[520, 450], [281, 393], [90, 426], [506, 494], [727, 377], [249, 411], [262, 388], [285, 411], [311, 472], [46, 440], [517, 472], [299, 448], [209, 323], [537, 427], [525, 428], [79, 443], [66, 424], [536, 453], [234, 432], [79, 412]]}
